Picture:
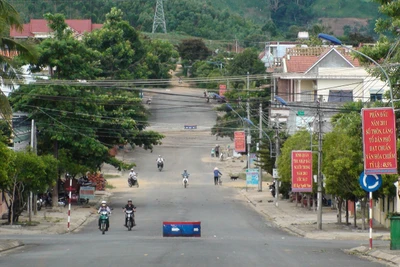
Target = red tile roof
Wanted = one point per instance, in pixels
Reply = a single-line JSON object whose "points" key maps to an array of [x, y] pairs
{"points": [[299, 64], [302, 63], [40, 26]]}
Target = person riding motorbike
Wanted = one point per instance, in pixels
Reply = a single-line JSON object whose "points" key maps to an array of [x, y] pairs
{"points": [[217, 173], [104, 207], [185, 174], [131, 207], [132, 176], [160, 161]]}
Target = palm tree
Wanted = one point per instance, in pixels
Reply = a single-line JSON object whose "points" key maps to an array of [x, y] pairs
{"points": [[9, 18]]}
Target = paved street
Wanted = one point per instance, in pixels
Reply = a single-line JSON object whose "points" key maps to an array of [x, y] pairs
{"points": [[233, 233]]}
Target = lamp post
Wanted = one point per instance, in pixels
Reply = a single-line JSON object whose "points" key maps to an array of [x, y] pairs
{"points": [[336, 41]]}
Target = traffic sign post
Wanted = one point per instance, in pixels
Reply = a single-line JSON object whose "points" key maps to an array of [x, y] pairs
{"points": [[370, 183]]}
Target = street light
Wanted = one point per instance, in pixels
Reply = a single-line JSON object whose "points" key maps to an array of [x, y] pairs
{"points": [[336, 41]]}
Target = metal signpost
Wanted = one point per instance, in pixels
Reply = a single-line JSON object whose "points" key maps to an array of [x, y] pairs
{"points": [[370, 183]]}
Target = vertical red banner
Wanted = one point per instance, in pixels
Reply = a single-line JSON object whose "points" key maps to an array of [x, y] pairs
{"points": [[222, 89], [302, 171], [240, 141], [379, 140]]}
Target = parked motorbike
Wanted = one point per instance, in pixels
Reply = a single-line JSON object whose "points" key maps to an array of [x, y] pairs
{"points": [[272, 189], [133, 181], [130, 219], [103, 221], [148, 102], [160, 165], [39, 204], [185, 180]]}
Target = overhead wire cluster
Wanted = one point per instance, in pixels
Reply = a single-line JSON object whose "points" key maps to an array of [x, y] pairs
{"points": [[147, 86]]}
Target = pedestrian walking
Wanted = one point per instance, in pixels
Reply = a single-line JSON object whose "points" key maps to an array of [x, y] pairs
{"points": [[216, 150], [217, 173]]}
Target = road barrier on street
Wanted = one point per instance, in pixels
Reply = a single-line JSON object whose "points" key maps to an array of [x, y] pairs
{"points": [[176, 229], [190, 127]]}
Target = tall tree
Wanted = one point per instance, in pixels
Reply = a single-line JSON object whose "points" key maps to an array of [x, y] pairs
{"points": [[9, 48]]}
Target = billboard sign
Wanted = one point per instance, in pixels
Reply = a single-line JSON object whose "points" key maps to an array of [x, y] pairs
{"points": [[252, 177], [86, 192], [302, 171], [222, 89], [379, 141], [240, 142]]}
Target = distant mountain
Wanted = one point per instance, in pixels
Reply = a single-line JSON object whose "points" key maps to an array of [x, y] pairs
{"points": [[218, 19]]}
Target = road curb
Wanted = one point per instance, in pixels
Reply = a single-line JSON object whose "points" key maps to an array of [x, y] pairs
{"points": [[376, 254], [290, 229], [10, 244]]}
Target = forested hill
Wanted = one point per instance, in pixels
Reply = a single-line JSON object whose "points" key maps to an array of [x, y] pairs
{"points": [[211, 19]]}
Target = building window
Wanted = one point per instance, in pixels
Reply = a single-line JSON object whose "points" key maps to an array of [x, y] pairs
{"points": [[376, 97], [340, 96]]}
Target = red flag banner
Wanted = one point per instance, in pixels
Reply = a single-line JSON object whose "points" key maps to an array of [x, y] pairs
{"points": [[301, 171], [240, 141], [222, 89], [379, 141]]}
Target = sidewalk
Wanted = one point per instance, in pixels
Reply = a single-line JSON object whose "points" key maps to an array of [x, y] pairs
{"points": [[302, 222], [52, 221]]}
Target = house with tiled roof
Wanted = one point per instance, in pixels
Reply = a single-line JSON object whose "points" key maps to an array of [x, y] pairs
{"points": [[38, 28], [326, 74], [330, 76]]}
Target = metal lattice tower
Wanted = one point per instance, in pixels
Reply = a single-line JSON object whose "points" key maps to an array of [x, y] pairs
{"points": [[159, 19]]}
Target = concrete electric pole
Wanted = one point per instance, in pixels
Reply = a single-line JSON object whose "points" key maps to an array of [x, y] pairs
{"points": [[319, 176], [277, 147], [248, 138], [258, 149]]}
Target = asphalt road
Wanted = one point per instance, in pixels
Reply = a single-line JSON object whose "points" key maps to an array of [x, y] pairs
{"points": [[233, 234]]}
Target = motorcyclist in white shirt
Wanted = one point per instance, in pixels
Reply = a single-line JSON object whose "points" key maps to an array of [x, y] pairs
{"points": [[185, 174], [132, 176], [160, 161]]}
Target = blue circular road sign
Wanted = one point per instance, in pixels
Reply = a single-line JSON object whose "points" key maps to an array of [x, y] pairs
{"points": [[370, 183]]}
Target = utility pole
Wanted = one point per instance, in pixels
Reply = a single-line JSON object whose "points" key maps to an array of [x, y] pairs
{"points": [[248, 84], [30, 201], [258, 149], [159, 18], [319, 176], [248, 135], [277, 147]]}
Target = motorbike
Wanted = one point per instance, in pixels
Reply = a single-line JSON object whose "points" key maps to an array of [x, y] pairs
{"points": [[185, 180], [39, 204], [272, 189], [133, 181], [130, 219], [160, 165], [103, 221], [219, 179], [148, 102]]}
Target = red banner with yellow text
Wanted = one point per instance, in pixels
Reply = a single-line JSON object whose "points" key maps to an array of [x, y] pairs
{"points": [[301, 171], [240, 141], [379, 140]]}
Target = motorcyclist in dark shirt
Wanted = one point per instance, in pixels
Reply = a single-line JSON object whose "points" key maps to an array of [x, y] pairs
{"points": [[129, 206]]}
